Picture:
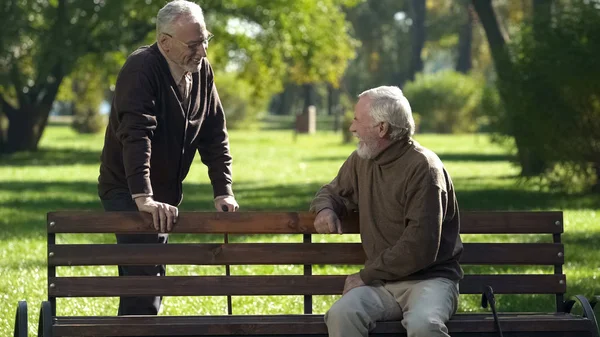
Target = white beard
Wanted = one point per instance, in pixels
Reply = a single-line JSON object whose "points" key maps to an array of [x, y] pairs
{"points": [[365, 150], [192, 67]]}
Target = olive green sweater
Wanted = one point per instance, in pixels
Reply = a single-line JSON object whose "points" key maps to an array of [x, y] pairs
{"points": [[409, 218]]}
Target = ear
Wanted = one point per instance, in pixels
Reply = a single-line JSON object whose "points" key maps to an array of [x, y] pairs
{"points": [[383, 129], [164, 42]]}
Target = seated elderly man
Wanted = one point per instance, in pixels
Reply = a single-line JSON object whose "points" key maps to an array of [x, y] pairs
{"points": [[409, 224]]}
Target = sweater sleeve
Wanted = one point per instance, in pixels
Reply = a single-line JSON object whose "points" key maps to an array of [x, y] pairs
{"points": [[341, 193], [213, 145], [136, 112], [418, 246]]}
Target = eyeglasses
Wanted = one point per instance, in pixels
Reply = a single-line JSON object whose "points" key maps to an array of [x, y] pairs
{"points": [[193, 47]]}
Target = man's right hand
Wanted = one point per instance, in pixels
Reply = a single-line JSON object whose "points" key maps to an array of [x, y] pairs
{"points": [[163, 215], [328, 222]]}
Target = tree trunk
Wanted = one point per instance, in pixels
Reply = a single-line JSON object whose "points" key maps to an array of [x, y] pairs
{"points": [[596, 187], [495, 36], [529, 159], [542, 8], [465, 41], [418, 37], [542, 14], [333, 106], [25, 129], [309, 96]]}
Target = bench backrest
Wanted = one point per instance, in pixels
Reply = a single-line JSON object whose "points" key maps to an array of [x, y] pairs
{"points": [[304, 253]]}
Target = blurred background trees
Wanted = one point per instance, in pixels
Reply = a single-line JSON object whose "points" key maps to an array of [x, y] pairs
{"points": [[524, 72]]}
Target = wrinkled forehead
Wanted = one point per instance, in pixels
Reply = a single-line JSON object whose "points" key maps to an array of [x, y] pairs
{"points": [[190, 28], [363, 105]]}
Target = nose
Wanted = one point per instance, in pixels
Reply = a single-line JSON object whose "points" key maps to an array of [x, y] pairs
{"points": [[202, 50], [352, 128]]}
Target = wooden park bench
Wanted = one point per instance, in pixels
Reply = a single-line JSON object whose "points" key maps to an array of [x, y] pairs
{"points": [[557, 322]]}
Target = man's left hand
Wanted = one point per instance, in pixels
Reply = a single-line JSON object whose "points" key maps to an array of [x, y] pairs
{"points": [[226, 204], [352, 281]]}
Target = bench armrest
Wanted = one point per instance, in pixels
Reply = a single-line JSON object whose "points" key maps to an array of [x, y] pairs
{"points": [[588, 310]]}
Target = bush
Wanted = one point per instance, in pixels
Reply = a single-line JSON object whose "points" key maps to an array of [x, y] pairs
{"points": [[88, 94], [447, 101], [242, 108], [347, 119], [553, 92], [88, 120]]}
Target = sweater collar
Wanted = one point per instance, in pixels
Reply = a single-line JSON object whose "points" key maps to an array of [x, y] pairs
{"points": [[394, 151]]}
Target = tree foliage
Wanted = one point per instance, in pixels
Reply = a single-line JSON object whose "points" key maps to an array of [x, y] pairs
{"points": [[556, 92], [263, 41]]}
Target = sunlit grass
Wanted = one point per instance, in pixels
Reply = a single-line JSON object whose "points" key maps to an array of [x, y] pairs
{"points": [[273, 170]]}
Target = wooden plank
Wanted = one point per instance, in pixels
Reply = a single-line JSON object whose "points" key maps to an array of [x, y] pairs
{"points": [[284, 222], [513, 254], [514, 284], [511, 222], [188, 222], [286, 253], [294, 325], [273, 285], [208, 254]]}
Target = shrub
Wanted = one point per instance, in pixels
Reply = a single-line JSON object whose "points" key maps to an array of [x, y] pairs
{"points": [[242, 109], [88, 120], [447, 101]]}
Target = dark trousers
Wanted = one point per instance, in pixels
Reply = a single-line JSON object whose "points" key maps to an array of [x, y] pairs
{"points": [[142, 305]]}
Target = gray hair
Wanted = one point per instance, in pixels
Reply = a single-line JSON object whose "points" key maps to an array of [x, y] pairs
{"points": [[175, 10], [389, 105]]}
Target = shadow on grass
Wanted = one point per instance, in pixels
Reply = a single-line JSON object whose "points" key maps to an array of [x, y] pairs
{"points": [[51, 157], [444, 157]]}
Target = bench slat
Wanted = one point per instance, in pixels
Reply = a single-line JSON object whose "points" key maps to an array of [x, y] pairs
{"points": [[273, 285], [295, 324], [284, 222], [287, 253]]}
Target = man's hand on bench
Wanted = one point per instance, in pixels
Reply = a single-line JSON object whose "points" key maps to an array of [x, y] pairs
{"points": [[164, 216], [328, 222], [226, 203]]}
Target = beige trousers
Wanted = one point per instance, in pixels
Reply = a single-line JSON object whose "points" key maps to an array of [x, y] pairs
{"points": [[424, 307]]}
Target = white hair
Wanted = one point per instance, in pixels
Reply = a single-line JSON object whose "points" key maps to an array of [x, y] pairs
{"points": [[389, 105], [174, 11]]}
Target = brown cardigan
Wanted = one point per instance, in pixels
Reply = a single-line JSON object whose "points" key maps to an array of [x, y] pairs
{"points": [[408, 213], [151, 139]]}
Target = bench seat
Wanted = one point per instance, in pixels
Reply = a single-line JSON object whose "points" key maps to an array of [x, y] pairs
{"points": [[513, 324]]}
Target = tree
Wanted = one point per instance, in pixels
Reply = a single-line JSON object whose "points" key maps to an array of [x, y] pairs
{"points": [[418, 31], [465, 41], [53, 36], [556, 78], [530, 161], [264, 40]]}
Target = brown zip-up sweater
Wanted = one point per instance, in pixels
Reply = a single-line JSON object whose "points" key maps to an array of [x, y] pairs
{"points": [[151, 138], [408, 213]]}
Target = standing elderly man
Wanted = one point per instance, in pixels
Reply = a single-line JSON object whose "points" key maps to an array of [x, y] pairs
{"points": [[165, 108], [409, 224]]}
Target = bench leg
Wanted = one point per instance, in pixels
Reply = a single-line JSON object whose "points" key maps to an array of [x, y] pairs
{"points": [[45, 322], [21, 320]]}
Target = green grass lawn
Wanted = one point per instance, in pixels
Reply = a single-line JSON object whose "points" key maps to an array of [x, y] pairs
{"points": [[272, 171]]}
